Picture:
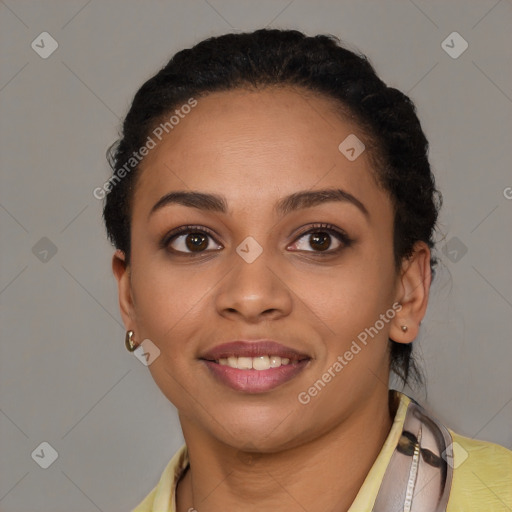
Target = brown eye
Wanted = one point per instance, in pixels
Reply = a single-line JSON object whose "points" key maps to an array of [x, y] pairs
{"points": [[189, 241], [196, 242], [320, 241]]}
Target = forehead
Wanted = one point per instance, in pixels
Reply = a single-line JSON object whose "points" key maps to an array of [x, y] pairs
{"points": [[257, 145]]}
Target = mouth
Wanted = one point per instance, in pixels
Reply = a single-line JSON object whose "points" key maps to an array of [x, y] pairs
{"points": [[254, 367]]}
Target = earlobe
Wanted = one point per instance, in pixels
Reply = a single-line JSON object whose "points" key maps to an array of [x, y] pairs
{"points": [[413, 291], [121, 272]]}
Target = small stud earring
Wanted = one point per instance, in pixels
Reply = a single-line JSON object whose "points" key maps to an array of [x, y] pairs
{"points": [[404, 328], [128, 341]]}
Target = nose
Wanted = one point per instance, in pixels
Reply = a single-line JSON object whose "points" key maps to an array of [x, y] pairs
{"points": [[254, 291]]}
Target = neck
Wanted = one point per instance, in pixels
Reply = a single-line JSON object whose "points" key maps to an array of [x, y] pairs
{"points": [[323, 474]]}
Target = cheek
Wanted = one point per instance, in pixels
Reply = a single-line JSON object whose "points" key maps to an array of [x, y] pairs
{"points": [[343, 305], [349, 295], [167, 297]]}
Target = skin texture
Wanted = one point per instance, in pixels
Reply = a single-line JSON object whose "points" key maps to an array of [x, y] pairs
{"points": [[267, 451]]}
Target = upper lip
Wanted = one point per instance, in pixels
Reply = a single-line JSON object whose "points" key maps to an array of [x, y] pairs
{"points": [[241, 348]]}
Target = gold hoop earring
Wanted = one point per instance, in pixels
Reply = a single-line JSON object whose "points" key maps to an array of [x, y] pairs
{"points": [[128, 341]]}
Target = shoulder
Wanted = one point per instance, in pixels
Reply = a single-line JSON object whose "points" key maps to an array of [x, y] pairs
{"points": [[482, 476]]}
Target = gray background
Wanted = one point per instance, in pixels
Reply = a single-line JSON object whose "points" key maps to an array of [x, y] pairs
{"points": [[65, 376]]}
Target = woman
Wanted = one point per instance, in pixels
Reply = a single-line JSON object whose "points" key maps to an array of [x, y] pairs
{"points": [[273, 211]]}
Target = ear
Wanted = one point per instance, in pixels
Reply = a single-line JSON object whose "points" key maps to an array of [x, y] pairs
{"points": [[413, 289], [122, 274]]}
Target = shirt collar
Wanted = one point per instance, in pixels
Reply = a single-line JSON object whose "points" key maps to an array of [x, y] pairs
{"points": [[165, 491]]}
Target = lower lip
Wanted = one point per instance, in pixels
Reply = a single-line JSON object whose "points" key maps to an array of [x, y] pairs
{"points": [[255, 381]]}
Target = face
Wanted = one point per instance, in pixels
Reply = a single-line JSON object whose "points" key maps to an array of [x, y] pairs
{"points": [[311, 275]]}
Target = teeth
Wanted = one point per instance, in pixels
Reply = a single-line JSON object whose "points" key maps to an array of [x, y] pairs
{"points": [[244, 363], [275, 361], [261, 363], [256, 363]]}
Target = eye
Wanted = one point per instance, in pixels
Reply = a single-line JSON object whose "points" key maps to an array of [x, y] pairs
{"points": [[190, 240], [320, 239]]}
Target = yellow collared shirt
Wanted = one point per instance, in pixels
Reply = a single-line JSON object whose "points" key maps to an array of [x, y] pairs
{"points": [[482, 475]]}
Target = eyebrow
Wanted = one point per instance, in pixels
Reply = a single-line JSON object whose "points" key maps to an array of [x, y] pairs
{"points": [[296, 201]]}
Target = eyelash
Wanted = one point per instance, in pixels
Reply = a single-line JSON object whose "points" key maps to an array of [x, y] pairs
{"points": [[315, 228]]}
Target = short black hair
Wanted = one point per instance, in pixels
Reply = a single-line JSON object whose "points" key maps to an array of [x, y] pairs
{"points": [[319, 64]]}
